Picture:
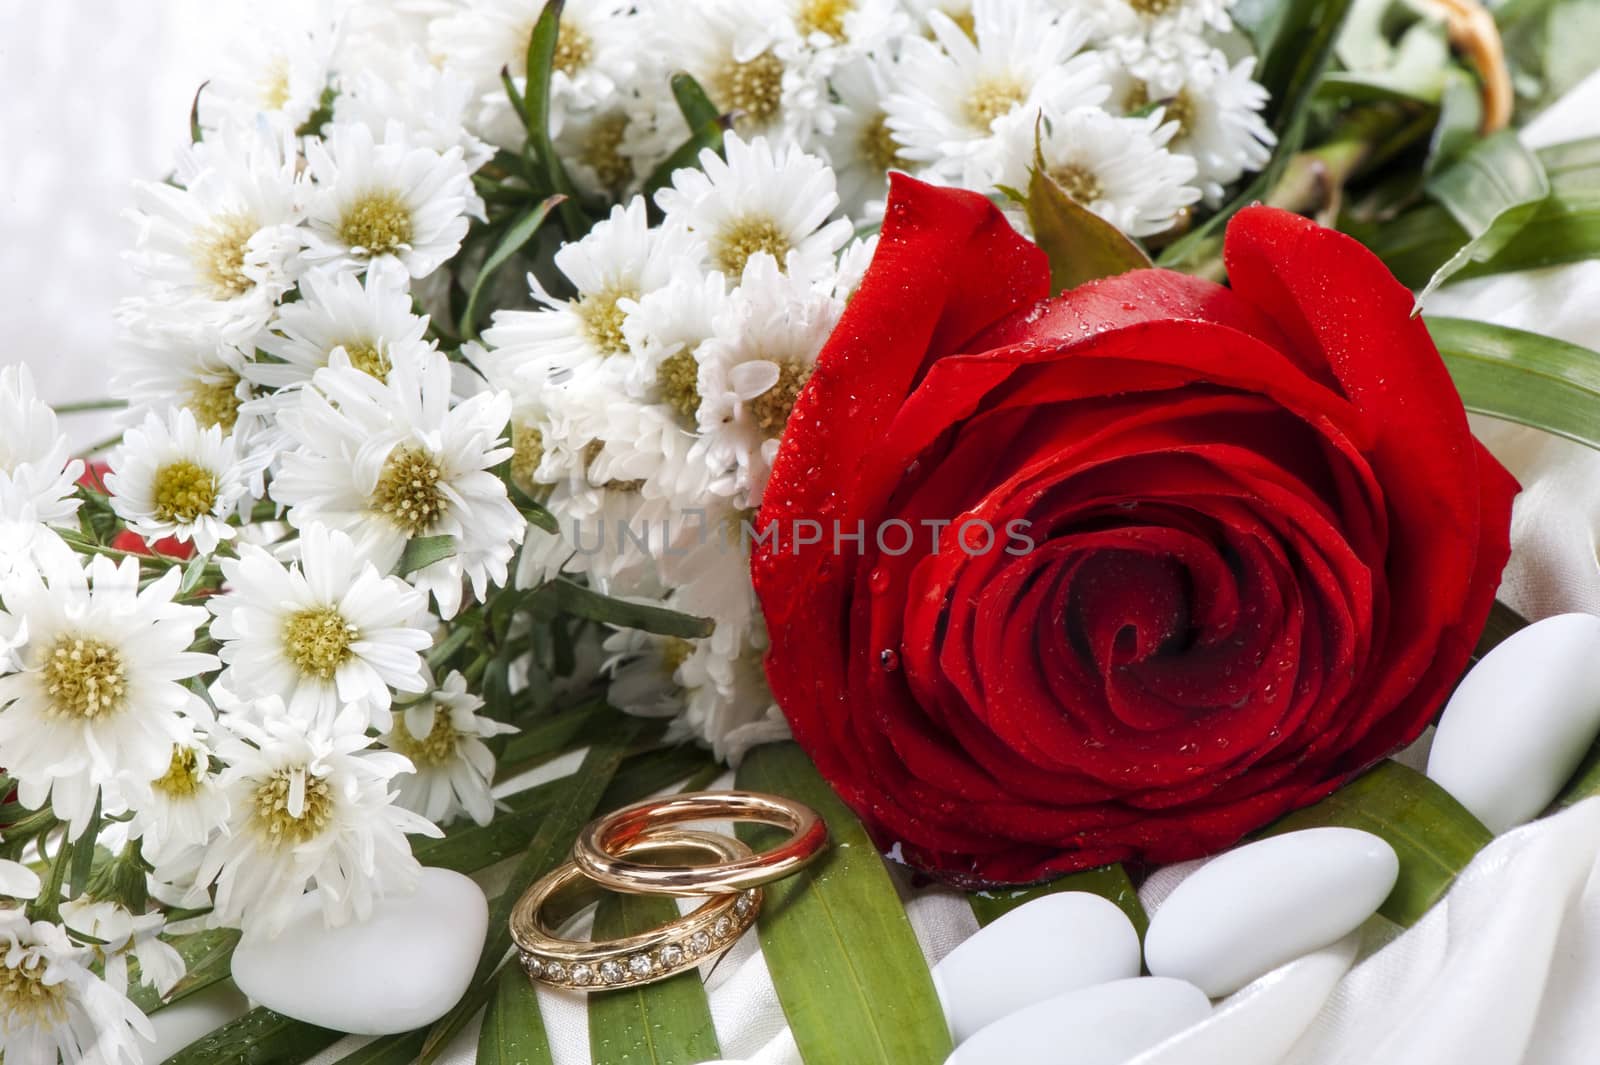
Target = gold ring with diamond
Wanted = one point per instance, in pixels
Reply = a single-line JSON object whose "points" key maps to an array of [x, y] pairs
{"points": [[634, 960]]}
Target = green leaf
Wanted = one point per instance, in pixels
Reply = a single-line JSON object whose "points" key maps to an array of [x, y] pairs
{"points": [[422, 552], [536, 113], [513, 241], [193, 574], [1571, 29], [1492, 192], [686, 155], [697, 108], [1585, 782], [1433, 834], [574, 804], [196, 134], [1414, 71], [1080, 245], [207, 957], [260, 1037], [1109, 882], [848, 971], [513, 1028], [565, 596], [83, 854], [665, 1023], [387, 1050], [1523, 377], [1460, 115]]}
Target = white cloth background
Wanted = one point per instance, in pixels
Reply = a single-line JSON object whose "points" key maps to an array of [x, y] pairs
{"points": [[1505, 972]]}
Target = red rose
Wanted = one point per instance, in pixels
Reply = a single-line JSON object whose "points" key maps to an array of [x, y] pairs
{"points": [[1264, 543]]}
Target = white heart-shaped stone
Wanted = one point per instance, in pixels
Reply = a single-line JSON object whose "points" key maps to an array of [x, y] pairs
{"points": [[1051, 945], [401, 969], [1101, 1025], [1521, 721], [1259, 906]]}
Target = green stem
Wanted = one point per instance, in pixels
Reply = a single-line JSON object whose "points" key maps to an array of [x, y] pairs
{"points": [[90, 405]]}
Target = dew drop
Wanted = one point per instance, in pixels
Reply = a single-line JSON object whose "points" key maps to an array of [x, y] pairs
{"points": [[889, 659], [878, 580]]}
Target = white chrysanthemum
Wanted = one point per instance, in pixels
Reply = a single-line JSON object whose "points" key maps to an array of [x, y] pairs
{"points": [[329, 633], [644, 668], [752, 371], [370, 321], [389, 461], [727, 702], [618, 261], [610, 151], [665, 332], [389, 200], [275, 70], [221, 246], [1217, 108], [862, 148], [307, 809], [1147, 18], [182, 807], [122, 935], [442, 734], [839, 29], [37, 471], [172, 478], [54, 1008], [1116, 167], [408, 93], [97, 686], [17, 881], [759, 201], [195, 373], [958, 99], [749, 57]]}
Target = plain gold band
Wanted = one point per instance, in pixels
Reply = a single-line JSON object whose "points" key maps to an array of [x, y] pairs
{"points": [[603, 849], [655, 955]]}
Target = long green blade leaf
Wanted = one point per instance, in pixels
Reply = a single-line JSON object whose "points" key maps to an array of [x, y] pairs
{"points": [[563, 595], [848, 971], [1523, 377], [513, 1028], [514, 240], [257, 1038], [387, 1050], [1433, 834], [207, 957], [1109, 882], [1492, 192], [541, 60], [666, 1023]]}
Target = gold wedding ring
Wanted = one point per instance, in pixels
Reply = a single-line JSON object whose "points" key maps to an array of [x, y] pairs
{"points": [[604, 850], [633, 960]]}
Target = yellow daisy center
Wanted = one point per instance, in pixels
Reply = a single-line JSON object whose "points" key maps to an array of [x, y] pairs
{"points": [[674, 652], [993, 98], [26, 1000], [878, 146], [603, 319], [825, 16], [183, 775], [377, 222], [771, 408], [1179, 109], [601, 151], [527, 451], [754, 87], [408, 491], [84, 678], [275, 86], [574, 48], [1079, 182], [272, 817], [437, 748], [744, 238], [215, 403], [317, 641], [183, 491], [220, 252], [678, 380], [368, 358], [1155, 8]]}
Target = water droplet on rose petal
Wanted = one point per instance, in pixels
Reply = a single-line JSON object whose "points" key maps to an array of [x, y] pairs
{"points": [[878, 580], [889, 659]]}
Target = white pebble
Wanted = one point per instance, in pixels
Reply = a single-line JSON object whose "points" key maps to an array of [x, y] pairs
{"points": [[1054, 944], [1521, 721], [1101, 1025], [403, 968], [1259, 906]]}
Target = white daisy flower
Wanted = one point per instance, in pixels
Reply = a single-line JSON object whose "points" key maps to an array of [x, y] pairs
{"points": [[200, 374], [275, 70], [17, 881], [840, 29], [97, 687], [326, 634], [408, 93], [601, 148], [1147, 18], [220, 247], [750, 58], [1217, 108], [751, 372], [172, 478], [664, 334], [123, 935], [728, 705], [612, 267], [54, 1008], [759, 201], [37, 471], [862, 148], [388, 461], [442, 734], [959, 98], [180, 809], [1116, 167], [308, 808], [644, 669], [369, 320], [389, 200], [957, 11]]}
